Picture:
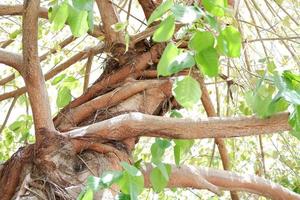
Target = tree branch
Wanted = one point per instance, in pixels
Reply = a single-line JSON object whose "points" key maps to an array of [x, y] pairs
{"points": [[63, 66], [140, 63], [109, 17], [138, 124], [78, 114], [11, 59], [32, 73], [149, 6], [210, 111], [215, 180], [43, 13]]}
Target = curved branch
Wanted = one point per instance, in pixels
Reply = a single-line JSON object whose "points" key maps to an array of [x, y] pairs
{"points": [[214, 180], [32, 73], [56, 70], [78, 114], [138, 124], [42, 12], [11, 59], [109, 17], [140, 63]]}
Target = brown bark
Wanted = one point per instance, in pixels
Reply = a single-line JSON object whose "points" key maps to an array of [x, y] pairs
{"points": [[210, 111], [32, 73], [138, 124], [100, 132]]}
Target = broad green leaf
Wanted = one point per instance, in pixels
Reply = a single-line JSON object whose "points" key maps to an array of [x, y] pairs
{"points": [[182, 61], [215, 7], [60, 17], [78, 21], [69, 82], [160, 11], [132, 170], [208, 61], [289, 86], [175, 114], [90, 19], [157, 153], [84, 4], [123, 196], [93, 183], [186, 14], [131, 185], [110, 177], [186, 91], [165, 170], [202, 40], [262, 103], [63, 97], [158, 149], [294, 121], [229, 42], [57, 79], [169, 54], [89, 195], [158, 181], [181, 148], [163, 143], [87, 5], [165, 30]]}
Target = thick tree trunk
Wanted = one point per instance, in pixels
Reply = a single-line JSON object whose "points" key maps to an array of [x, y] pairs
{"points": [[60, 165]]}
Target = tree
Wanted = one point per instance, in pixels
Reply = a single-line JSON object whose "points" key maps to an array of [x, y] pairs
{"points": [[145, 76]]}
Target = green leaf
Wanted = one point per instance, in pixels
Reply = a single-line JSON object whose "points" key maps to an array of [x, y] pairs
{"points": [[160, 11], [186, 14], [132, 185], [289, 86], [165, 30], [215, 7], [163, 143], [84, 4], [60, 17], [294, 121], [109, 177], [262, 103], [181, 148], [93, 183], [63, 97], [175, 114], [165, 170], [229, 42], [202, 40], [158, 181], [212, 21], [123, 196], [169, 54], [158, 149], [57, 79], [182, 61], [14, 34], [78, 21], [208, 62], [132, 170], [186, 91], [89, 195], [87, 5], [120, 26]]}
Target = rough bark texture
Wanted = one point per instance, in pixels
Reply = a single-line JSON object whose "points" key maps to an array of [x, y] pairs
{"points": [[101, 127]]}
